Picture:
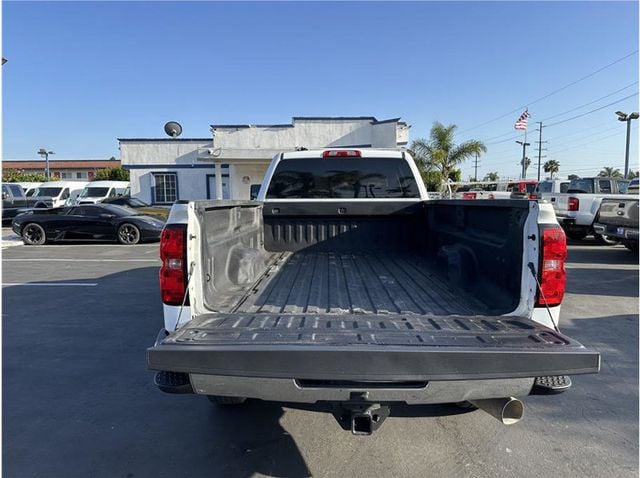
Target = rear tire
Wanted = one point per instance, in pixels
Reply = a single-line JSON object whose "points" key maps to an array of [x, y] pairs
{"points": [[605, 240], [226, 401], [576, 235], [128, 234], [33, 234]]}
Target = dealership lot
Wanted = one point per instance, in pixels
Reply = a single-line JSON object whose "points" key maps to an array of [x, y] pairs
{"points": [[78, 400]]}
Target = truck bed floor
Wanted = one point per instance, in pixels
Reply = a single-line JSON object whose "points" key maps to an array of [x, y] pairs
{"points": [[348, 283]]}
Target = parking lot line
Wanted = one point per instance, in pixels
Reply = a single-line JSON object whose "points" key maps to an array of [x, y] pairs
{"points": [[64, 284]]}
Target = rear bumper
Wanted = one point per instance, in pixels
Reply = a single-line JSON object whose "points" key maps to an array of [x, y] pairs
{"points": [[401, 349], [620, 232]]}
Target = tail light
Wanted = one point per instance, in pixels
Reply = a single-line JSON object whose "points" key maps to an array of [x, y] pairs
{"points": [[468, 195], [173, 273], [353, 153], [574, 204], [533, 196], [552, 275]]}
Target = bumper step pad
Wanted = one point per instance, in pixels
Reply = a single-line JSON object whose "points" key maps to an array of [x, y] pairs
{"points": [[551, 385]]}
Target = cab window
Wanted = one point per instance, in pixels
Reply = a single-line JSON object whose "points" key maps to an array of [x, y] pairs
{"points": [[604, 185]]}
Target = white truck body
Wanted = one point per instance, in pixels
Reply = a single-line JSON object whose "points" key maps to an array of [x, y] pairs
{"points": [[329, 289]]}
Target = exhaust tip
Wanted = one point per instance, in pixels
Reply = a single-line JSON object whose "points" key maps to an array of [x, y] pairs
{"points": [[507, 410], [512, 411]]}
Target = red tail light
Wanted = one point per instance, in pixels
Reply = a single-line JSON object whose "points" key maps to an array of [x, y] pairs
{"points": [[354, 153], [173, 273], [468, 195], [574, 204], [552, 275], [533, 196]]}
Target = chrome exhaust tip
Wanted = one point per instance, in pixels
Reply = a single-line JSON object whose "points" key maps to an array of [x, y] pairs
{"points": [[508, 410]]}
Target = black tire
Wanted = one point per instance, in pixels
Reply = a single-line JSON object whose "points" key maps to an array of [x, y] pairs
{"points": [[605, 240], [33, 234], [576, 235], [129, 234], [226, 401]]}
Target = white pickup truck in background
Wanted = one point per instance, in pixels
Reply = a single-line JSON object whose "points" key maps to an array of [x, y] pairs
{"points": [[343, 287], [577, 208]]}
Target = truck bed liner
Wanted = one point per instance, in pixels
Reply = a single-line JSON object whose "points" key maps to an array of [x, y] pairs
{"points": [[355, 283]]}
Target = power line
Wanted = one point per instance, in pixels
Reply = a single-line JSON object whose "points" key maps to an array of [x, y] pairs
{"points": [[591, 102], [616, 127], [553, 92], [592, 111], [569, 111], [584, 144]]}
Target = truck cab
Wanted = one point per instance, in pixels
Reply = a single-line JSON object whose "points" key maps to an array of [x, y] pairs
{"points": [[577, 208]]}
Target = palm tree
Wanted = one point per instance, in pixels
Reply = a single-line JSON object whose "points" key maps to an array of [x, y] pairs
{"points": [[527, 163], [440, 153], [552, 166], [608, 172], [493, 176]]}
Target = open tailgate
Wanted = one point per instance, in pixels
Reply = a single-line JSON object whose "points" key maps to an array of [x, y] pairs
{"points": [[383, 347]]}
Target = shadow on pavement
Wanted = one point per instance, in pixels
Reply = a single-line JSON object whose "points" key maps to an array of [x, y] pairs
{"points": [[610, 281], [79, 400]]}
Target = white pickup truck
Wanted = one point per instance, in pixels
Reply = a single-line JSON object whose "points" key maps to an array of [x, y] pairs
{"points": [[577, 208], [344, 287]]}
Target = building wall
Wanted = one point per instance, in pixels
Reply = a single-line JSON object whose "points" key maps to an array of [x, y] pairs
{"points": [[245, 151]]}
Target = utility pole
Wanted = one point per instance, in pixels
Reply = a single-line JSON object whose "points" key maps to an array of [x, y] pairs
{"points": [[524, 154], [539, 150], [475, 174]]}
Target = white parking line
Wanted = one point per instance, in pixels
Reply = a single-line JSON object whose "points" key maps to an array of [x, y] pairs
{"points": [[64, 284], [32, 259]]}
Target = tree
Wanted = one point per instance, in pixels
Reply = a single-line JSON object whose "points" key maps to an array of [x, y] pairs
{"points": [[19, 176], [440, 154], [552, 166], [633, 174], [527, 163], [608, 172], [112, 174], [571, 177], [493, 176]]}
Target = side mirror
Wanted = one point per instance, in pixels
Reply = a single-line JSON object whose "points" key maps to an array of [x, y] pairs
{"points": [[4, 195]]}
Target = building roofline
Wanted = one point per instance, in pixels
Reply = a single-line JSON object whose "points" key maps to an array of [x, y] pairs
{"points": [[371, 119], [183, 140]]}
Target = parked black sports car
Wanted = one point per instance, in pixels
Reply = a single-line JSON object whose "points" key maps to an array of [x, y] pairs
{"points": [[87, 222]]}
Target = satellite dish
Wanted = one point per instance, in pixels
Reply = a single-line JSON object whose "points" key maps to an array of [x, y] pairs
{"points": [[173, 129]]}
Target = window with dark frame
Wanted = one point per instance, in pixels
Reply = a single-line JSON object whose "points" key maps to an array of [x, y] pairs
{"points": [[165, 190]]}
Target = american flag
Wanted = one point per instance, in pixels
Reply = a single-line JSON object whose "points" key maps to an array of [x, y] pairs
{"points": [[522, 121]]}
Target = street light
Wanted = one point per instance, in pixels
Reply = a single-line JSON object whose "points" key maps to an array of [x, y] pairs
{"points": [[45, 154], [627, 117]]}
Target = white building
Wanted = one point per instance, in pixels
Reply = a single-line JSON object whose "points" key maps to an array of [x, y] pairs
{"points": [[235, 158]]}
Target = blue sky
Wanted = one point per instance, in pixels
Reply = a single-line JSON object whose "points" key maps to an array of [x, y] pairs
{"points": [[82, 74]]}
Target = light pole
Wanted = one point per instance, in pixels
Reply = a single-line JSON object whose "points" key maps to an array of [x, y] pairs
{"points": [[627, 117], [45, 154], [524, 157]]}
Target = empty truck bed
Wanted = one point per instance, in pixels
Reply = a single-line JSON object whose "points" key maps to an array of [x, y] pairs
{"points": [[355, 283]]}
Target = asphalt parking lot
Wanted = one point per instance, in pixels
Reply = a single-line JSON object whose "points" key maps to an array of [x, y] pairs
{"points": [[78, 400]]}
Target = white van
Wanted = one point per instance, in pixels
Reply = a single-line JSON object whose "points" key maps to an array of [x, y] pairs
{"points": [[30, 188], [63, 193], [98, 191]]}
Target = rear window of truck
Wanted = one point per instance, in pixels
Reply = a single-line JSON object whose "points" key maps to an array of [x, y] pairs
{"points": [[344, 178]]}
